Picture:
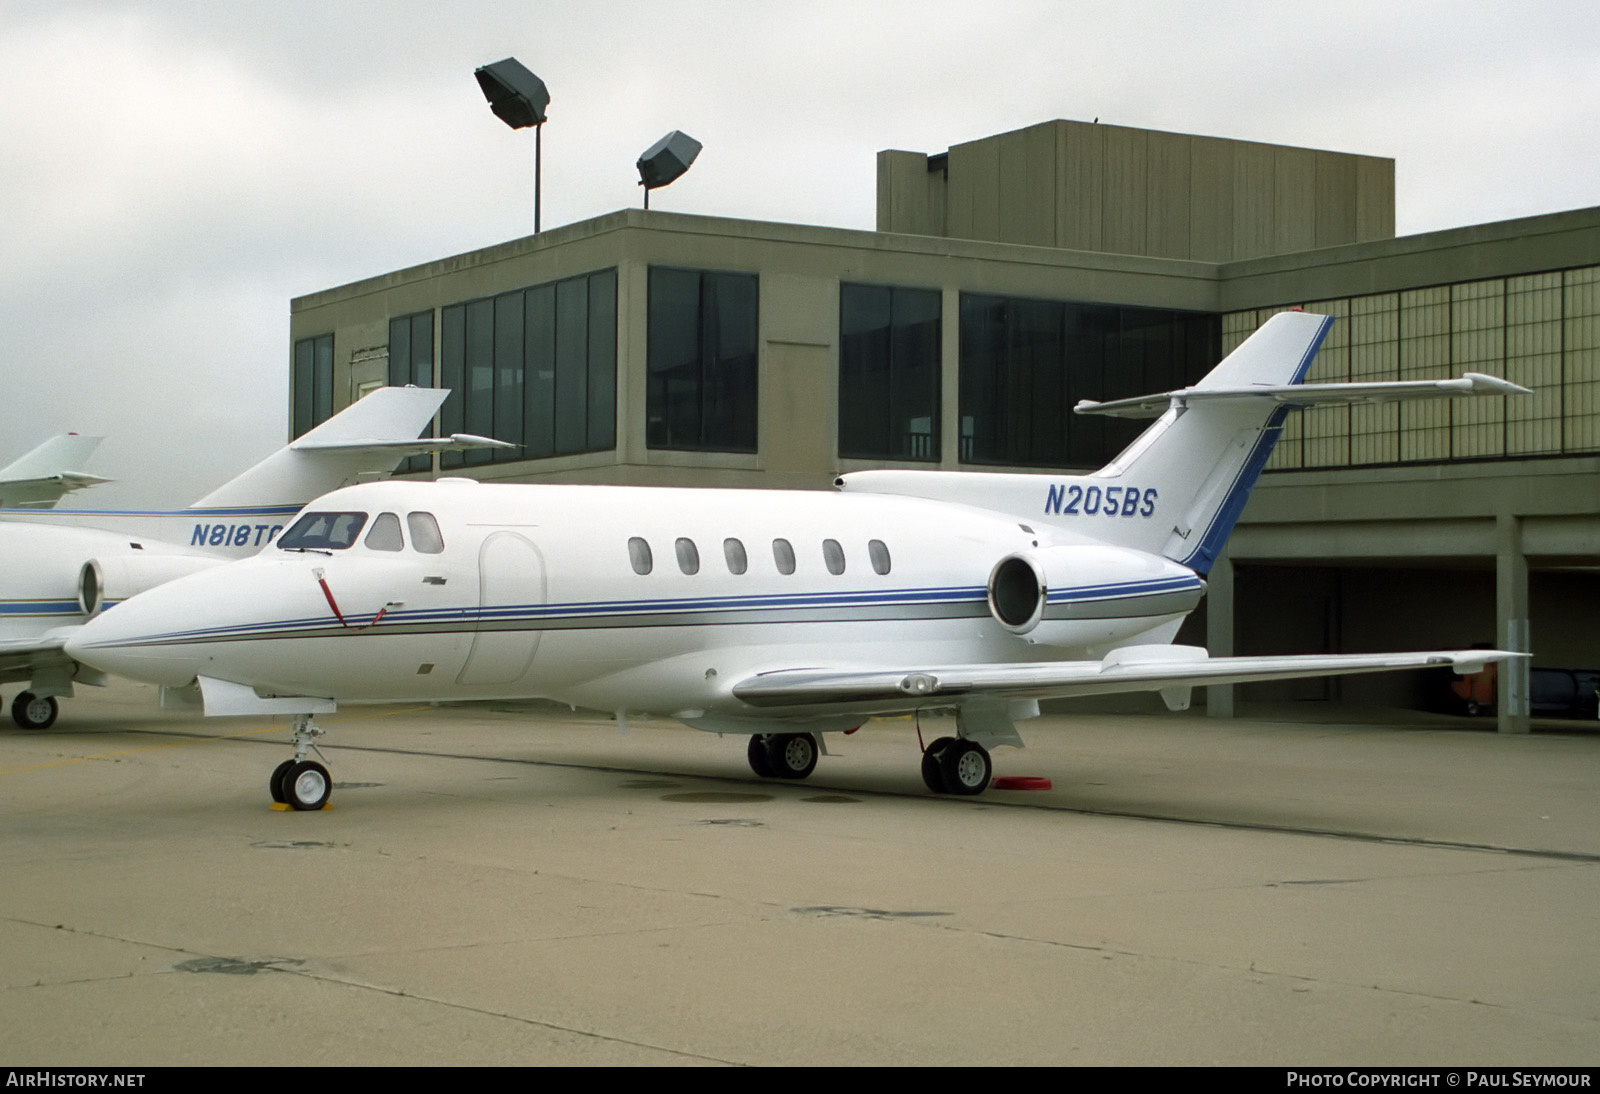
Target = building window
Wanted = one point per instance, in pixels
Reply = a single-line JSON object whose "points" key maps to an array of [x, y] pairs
{"points": [[312, 380], [702, 361], [411, 362], [1026, 363], [889, 351], [1538, 330], [537, 367]]}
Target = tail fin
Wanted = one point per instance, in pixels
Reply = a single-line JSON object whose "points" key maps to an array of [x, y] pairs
{"points": [[1193, 470], [39, 479], [367, 437]]}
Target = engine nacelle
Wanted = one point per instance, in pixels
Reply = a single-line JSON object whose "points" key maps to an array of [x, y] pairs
{"points": [[1085, 595], [105, 581]]}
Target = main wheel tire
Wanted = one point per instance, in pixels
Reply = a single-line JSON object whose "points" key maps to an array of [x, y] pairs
{"points": [[275, 783], [30, 711], [792, 755], [932, 777], [966, 768], [306, 785], [757, 755]]}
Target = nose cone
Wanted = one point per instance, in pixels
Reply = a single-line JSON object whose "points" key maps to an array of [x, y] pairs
{"points": [[141, 639]]}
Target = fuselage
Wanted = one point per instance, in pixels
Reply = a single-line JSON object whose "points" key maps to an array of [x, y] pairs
{"points": [[623, 598]]}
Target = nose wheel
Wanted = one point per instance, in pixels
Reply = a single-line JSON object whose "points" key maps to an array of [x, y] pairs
{"points": [[302, 784]]}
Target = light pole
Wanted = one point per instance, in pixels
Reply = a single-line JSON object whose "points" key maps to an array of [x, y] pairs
{"points": [[519, 99], [665, 160]]}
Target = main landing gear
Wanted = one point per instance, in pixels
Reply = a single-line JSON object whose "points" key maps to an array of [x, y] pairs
{"points": [[782, 755], [300, 783], [951, 765], [954, 765], [31, 711]]}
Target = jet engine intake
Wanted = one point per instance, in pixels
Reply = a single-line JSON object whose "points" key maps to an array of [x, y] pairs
{"points": [[103, 582], [1017, 593]]}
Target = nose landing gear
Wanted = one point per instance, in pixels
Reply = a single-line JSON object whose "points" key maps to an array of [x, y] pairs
{"points": [[299, 783]]}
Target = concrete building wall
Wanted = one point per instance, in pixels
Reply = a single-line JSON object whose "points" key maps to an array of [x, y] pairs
{"points": [[800, 269], [1086, 186]]}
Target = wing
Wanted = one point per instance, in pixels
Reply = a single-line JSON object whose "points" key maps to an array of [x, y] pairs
{"points": [[1136, 668], [23, 658]]}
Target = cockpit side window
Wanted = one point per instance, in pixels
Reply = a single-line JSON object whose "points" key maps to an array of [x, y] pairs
{"points": [[425, 536], [323, 532], [385, 534]]}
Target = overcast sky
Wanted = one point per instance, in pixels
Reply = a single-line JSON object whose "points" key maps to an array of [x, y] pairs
{"points": [[173, 172]]}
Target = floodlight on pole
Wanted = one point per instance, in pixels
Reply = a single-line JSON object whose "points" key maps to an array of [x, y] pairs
{"points": [[665, 160], [519, 99]]}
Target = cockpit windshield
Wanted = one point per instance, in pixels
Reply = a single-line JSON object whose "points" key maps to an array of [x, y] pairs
{"points": [[323, 532]]}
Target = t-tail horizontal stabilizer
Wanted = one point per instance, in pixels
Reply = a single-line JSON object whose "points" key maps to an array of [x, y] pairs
{"points": [[1305, 395], [42, 477], [368, 437]]}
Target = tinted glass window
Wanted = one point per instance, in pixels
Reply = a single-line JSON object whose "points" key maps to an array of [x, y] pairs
{"points": [[889, 351], [1026, 363], [733, 551], [411, 362], [385, 534], [534, 366], [833, 556], [425, 535], [688, 556], [878, 551], [701, 360], [312, 380], [639, 555], [323, 532], [783, 556]]}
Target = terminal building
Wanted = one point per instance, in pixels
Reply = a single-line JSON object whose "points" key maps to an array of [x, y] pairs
{"points": [[1010, 277]]}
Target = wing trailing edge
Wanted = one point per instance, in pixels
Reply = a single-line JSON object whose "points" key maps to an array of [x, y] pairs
{"points": [[1132, 669]]}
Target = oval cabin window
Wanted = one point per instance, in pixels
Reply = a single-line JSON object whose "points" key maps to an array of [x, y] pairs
{"points": [[878, 552], [783, 556], [688, 556], [833, 556], [639, 555]]}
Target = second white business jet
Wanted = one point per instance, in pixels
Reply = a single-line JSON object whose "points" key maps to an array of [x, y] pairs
{"points": [[780, 615], [63, 566]]}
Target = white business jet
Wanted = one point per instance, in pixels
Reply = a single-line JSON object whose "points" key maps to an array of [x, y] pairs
{"points": [[63, 566], [781, 615], [42, 477]]}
